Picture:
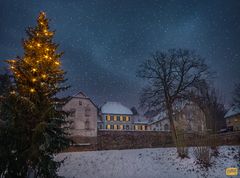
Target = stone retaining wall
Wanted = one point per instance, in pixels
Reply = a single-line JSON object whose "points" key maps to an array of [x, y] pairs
{"points": [[107, 140]]}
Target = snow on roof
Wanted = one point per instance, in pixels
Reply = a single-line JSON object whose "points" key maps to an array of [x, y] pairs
{"points": [[160, 116], [232, 111], [140, 119], [115, 108]]}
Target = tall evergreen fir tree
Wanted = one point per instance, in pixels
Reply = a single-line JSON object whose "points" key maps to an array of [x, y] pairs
{"points": [[38, 78]]}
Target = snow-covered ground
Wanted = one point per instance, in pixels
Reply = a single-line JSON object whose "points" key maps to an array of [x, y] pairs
{"points": [[143, 163]]}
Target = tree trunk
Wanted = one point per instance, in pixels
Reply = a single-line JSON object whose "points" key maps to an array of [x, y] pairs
{"points": [[172, 125]]}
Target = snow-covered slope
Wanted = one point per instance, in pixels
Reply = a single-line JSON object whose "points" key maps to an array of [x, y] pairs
{"points": [[142, 163]]}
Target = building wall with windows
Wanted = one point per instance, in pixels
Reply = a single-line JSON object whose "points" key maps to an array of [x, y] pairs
{"points": [[117, 122], [160, 125], [233, 119], [190, 118], [115, 116], [83, 116]]}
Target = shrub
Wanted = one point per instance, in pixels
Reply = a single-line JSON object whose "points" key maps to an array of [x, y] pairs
{"points": [[203, 155], [202, 150]]}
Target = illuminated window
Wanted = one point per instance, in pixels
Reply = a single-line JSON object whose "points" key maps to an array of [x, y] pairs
{"points": [[108, 118], [115, 127], [108, 127], [115, 118], [137, 127], [121, 127], [143, 127], [121, 118], [127, 118]]}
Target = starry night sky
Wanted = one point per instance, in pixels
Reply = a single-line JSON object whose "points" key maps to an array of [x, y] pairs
{"points": [[105, 40]]}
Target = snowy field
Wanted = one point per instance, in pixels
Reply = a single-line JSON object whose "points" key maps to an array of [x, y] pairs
{"points": [[143, 163]]}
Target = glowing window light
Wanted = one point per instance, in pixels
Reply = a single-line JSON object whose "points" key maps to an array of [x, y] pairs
{"points": [[32, 90], [34, 79]]}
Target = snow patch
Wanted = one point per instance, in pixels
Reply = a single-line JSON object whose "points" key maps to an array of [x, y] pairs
{"points": [[143, 163]]}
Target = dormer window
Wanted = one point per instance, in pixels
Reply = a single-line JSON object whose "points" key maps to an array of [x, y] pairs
{"points": [[80, 103]]}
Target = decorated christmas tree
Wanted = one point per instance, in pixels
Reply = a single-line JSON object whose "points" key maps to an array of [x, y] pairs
{"points": [[39, 71], [38, 77]]}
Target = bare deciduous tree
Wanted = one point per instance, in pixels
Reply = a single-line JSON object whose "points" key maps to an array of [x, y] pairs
{"points": [[209, 100], [170, 76], [236, 95]]}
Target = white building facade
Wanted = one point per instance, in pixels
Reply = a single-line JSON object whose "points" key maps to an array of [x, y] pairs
{"points": [[83, 117], [115, 116]]}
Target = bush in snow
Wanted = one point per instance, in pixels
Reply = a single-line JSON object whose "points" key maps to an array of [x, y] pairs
{"points": [[202, 151], [203, 155]]}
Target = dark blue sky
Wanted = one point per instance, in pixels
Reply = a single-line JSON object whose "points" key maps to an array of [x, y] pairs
{"points": [[105, 40]]}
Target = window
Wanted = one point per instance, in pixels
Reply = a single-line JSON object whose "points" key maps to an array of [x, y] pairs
{"points": [[127, 118], [124, 118], [87, 125], [111, 126], [136, 127], [72, 112], [121, 127], [111, 118], [115, 118], [115, 127], [166, 127], [143, 127], [157, 125], [108, 127], [121, 118], [80, 103], [118, 118], [127, 127], [87, 111], [108, 118]]}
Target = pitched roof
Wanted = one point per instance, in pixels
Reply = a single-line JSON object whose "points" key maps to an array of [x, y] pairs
{"points": [[115, 108], [81, 95], [232, 112]]}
